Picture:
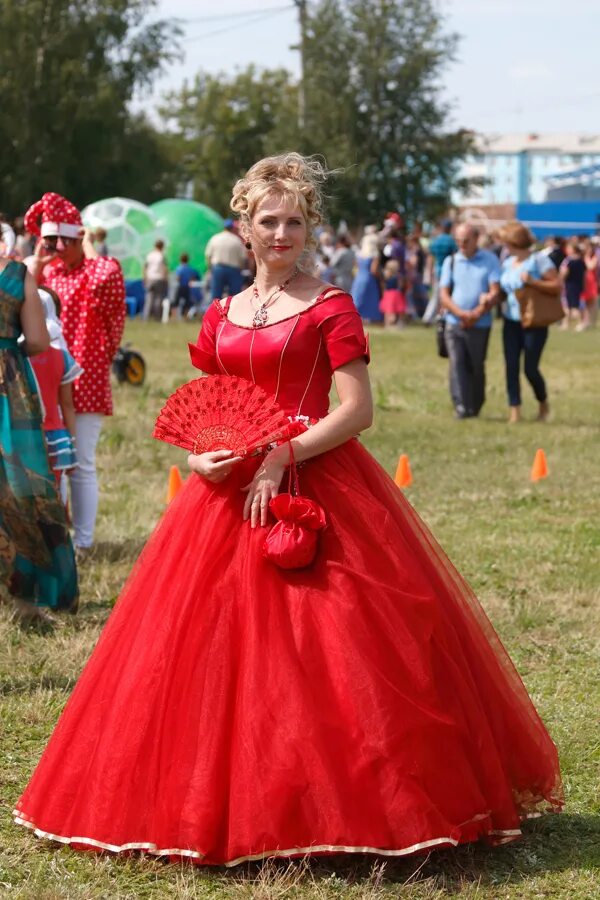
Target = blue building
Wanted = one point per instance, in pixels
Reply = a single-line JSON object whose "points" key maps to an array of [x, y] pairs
{"points": [[517, 168], [574, 185]]}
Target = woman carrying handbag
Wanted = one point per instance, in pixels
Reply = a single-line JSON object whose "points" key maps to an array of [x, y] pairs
{"points": [[323, 684], [527, 314]]}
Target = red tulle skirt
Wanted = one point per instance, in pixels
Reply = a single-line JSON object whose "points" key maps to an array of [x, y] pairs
{"points": [[233, 710]]}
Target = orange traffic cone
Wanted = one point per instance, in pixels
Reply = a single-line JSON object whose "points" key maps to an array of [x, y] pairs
{"points": [[403, 474], [540, 466], [175, 483]]}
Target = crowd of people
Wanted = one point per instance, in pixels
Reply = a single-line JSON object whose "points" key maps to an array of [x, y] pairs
{"points": [[469, 278], [409, 263], [396, 276], [392, 272]]}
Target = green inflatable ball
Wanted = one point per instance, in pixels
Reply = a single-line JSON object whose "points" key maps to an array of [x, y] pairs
{"points": [[187, 227], [131, 230]]}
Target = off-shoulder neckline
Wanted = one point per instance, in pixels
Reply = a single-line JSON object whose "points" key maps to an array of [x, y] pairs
{"points": [[317, 302]]}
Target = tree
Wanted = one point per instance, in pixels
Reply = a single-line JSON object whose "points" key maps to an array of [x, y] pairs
{"points": [[69, 71], [329, 90], [221, 125], [330, 108], [373, 70]]}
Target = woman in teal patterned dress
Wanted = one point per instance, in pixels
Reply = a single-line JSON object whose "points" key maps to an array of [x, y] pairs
{"points": [[37, 562]]}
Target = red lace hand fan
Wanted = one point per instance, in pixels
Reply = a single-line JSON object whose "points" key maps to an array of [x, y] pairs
{"points": [[222, 412]]}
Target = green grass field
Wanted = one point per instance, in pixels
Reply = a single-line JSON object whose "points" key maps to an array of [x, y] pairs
{"points": [[531, 551]]}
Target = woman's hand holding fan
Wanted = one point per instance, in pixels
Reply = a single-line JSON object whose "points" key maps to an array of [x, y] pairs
{"points": [[214, 466], [224, 419]]}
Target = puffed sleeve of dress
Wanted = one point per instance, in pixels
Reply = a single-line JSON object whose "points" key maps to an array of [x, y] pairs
{"points": [[203, 352], [342, 330]]}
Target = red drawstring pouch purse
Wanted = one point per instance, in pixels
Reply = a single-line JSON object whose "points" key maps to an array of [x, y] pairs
{"points": [[292, 542]]}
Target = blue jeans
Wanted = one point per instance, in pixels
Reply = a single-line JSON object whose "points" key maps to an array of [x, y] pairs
{"points": [[225, 277], [529, 342]]}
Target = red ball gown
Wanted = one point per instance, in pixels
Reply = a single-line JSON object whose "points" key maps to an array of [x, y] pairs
{"points": [[232, 710]]}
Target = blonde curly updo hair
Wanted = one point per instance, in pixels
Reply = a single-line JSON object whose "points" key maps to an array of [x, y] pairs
{"points": [[292, 177]]}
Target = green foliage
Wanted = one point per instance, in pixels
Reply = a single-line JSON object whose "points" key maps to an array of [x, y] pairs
{"points": [[372, 108], [330, 114], [69, 71], [221, 125], [373, 83], [371, 99]]}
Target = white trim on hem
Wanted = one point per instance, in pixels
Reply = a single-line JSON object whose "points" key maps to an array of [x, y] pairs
{"points": [[508, 835]]}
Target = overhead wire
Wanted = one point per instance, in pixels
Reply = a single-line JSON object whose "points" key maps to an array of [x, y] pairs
{"points": [[249, 19], [230, 15]]}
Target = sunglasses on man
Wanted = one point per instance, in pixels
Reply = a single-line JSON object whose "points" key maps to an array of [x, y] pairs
{"points": [[52, 241]]}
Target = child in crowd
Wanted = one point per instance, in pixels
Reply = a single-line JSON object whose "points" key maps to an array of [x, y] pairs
{"points": [[393, 301], [185, 274], [55, 371], [572, 272]]}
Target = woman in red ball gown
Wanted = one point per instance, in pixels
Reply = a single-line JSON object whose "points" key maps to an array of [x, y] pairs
{"points": [[233, 710]]}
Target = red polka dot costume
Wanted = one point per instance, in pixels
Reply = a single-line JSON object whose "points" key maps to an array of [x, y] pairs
{"points": [[93, 304], [92, 315]]}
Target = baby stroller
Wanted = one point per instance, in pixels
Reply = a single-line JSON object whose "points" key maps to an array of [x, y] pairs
{"points": [[130, 366]]}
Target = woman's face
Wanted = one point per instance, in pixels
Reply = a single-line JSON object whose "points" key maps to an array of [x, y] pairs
{"points": [[278, 233]]}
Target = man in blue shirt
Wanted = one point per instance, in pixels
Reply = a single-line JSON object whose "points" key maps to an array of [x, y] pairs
{"points": [[469, 288]]}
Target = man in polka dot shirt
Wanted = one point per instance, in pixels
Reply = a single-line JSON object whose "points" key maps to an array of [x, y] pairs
{"points": [[92, 295]]}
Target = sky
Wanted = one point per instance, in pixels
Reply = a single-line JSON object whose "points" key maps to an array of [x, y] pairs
{"points": [[522, 65]]}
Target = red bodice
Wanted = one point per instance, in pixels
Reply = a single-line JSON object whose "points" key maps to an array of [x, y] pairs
{"points": [[292, 359]]}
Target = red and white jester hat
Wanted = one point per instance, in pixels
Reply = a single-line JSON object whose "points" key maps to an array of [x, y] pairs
{"points": [[58, 215]]}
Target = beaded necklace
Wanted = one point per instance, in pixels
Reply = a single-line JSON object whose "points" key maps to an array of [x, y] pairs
{"points": [[261, 315]]}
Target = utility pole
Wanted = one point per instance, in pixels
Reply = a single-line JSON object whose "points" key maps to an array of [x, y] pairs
{"points": [[302, 7]]}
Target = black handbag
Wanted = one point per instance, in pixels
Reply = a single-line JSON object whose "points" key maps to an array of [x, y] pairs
{"points": [[440, 336], [440, 321]]}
